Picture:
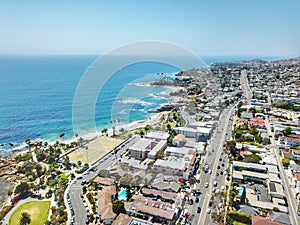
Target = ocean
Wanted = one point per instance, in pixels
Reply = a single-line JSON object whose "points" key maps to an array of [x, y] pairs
{"points": [[37, 93]]}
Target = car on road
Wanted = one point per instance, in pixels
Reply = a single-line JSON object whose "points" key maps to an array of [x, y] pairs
{"points": [[191, 202], [218, 167], [198, 209], [217, 174], [208, 211], [197, 200], [206, 185]]}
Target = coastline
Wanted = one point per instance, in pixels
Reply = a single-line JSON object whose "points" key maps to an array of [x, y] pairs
{"points": [[6, 160]]}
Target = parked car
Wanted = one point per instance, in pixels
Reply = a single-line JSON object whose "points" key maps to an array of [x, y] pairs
{"points": [[197, 200], [198, 209], [191, 202], [208, 211]]}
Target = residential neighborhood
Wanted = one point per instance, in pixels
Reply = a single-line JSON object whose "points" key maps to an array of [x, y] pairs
{"points": [[226, 152]]}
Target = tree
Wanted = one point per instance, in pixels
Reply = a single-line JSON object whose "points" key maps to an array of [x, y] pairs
{"points": [[169, 127], [103, 173], [287, 131], [128, 194], [285, 161], [253, 158], [243, 196], [160, 154], [22, 188], [231, 147], [9, 193], [142, 133], [25, 218], [147, 128], [118, 206], [125, 180]]}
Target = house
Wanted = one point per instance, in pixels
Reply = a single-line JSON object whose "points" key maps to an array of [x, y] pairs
{"points": [[258, 123], [248, 209], [178, 140], [248, 137], [258, 220], [122, 219], [140, 148], [106, 181], [157, 135], [159, 193], [161, 145], [291, 140], [105, 197], [276, 190], [295, 182], [237, 165], [280, 217], [246, 115], [171, 167], [159, 211]]}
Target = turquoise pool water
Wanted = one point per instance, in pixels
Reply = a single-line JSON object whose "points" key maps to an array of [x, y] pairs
{"points": [[122, 194], [240, 191], [175, 160]]}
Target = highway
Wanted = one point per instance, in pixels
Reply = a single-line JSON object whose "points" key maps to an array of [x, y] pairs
{"points": [[245, 86], [214, 152]]}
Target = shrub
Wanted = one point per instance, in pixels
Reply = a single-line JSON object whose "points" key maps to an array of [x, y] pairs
{"points": [[5, 210], [240, 217]]}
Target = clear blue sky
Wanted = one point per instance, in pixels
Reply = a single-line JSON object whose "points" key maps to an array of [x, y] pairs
{"points": [[207, 27]]}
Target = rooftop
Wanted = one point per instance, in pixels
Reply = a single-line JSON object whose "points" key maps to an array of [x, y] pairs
{"points": [[141, 144]]}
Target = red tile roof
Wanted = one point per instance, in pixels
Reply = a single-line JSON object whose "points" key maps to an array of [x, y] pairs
{"points": [[257, 220], [122, 219], [104, 203]]}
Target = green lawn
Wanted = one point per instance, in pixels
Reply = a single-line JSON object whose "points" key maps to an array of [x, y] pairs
{"points": [[38, 211]]}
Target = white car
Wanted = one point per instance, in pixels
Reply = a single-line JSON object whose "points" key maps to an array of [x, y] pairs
{"points": [[206, 185], [208, 211]]}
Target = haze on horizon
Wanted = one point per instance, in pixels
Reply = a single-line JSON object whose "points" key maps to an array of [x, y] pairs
{"points": [[217, 27]]}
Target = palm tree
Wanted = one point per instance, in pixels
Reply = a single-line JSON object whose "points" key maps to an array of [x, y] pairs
{"points": [[9, 193], [25, 218]]}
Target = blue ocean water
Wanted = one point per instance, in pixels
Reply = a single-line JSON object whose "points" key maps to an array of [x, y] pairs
{"points": [[36, 95]]}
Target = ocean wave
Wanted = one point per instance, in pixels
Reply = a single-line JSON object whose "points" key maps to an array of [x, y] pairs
{"points": [[123, 112], [157, 96], [133, 101], [140, 84]]}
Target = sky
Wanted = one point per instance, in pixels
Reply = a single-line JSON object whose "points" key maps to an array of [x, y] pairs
{"points": [[206, 27]]}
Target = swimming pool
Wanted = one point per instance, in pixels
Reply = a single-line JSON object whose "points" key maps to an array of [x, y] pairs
{"points": [[240, 191], [122, 194], [175, 160]]}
